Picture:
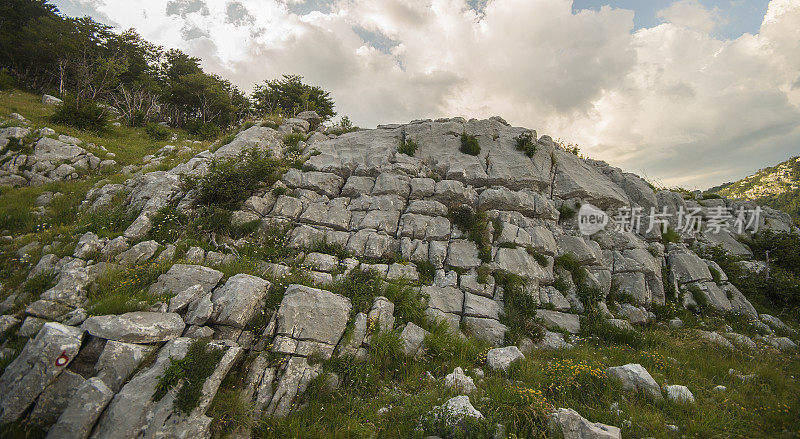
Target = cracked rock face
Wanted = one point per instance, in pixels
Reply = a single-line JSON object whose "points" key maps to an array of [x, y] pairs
{"points": [[355, 192]]}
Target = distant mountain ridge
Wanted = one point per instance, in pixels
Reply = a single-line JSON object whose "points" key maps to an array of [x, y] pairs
{"points": [[777, 186]]}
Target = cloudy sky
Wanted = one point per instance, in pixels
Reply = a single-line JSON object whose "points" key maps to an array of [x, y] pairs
{"points": [[686, 92]]}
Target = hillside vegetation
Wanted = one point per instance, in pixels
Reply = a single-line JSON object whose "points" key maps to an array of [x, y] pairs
{"points": [[777, 186]]}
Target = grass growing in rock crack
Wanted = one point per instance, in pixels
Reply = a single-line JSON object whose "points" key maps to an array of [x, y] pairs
{"points": [[519, 309], [476, 226], [191, 373]]}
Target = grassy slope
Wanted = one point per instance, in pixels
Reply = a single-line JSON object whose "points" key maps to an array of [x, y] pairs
{"points": [[785, 198], [767, 406]]}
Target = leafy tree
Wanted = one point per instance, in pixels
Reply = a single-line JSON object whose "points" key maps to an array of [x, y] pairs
{"points": [[289, 95]]}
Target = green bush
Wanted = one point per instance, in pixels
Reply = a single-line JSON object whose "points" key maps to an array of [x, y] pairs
{"points": [[407, 147], [86, 115], [538, 257], [524, 142], [469, 144], [157, 132], [203, 130], [230, 181]]}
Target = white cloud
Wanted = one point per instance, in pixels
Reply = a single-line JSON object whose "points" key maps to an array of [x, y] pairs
{"points": [[672, 102], [691, 15]]}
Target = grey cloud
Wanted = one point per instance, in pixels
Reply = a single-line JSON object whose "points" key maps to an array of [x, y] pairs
{"points": [[236, 13], [186, 7], [194, 32]]}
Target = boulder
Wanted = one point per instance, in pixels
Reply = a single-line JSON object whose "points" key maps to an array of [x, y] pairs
{"points": [[456, 409], [118, 361], [239, 299], [42, 359], [559, 320], [714, 338], [312, 316], [138, 254], [634, 377], [88, 244], [54, 398], [86, 405], [51, 100], [181, 276], [413, 338], [136, 327]]}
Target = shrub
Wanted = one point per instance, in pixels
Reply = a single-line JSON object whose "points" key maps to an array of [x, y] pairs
{"points": [[330, 248], [566, 213], [157, 132], [203, 130], [408, 147], [343, 126], [192, 370], [443, 423], [230, 181], [524, 142], [699, 297], [118, 291], [715, 274], [37, 284], [671, 236], [86, 115], [469, 144]]}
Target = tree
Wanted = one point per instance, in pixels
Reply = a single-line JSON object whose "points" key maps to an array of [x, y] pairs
{"points": [[289, 95]]}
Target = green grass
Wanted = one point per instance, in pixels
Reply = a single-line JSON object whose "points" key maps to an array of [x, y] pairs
{"points": [[122, 290]]}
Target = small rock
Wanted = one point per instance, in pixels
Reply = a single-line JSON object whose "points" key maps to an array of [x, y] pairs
{"points": [[680, 394], [459, 381], [501, 358], [635, 377]]}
